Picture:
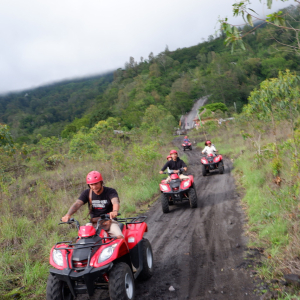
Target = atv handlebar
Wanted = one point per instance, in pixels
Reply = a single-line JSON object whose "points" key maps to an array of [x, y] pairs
{"points": [[72, 220], [181, 170], [101, 217]]}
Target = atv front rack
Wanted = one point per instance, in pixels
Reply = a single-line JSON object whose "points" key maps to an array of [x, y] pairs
{"points": [[72, 246], [132, 220]]}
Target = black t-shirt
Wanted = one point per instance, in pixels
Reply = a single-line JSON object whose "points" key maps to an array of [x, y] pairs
{"points": [[174, 165], [101, 203]]}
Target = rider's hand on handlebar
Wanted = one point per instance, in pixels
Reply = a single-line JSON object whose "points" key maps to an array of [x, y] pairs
{"points": [[161, 172], [113, 214], [176, 171], [185, 168], [65, 218]]}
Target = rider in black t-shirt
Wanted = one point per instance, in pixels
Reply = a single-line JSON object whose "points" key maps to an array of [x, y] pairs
{"points": [[175, 164], [101, 200]]}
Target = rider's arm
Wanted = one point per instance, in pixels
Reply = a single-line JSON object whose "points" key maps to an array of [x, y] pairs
{"points": [[78, 203], [204, 150], [183, 165], [116, 206], [164, 167]]}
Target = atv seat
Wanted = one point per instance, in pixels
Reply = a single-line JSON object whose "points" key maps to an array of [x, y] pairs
{"points": [[121, 225]]}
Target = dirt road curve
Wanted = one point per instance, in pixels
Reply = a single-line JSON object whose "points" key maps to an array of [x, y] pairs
{"points": [[197, 251]]}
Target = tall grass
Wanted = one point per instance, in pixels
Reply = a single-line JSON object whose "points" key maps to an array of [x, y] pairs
{"points": [[32, 205], [273, 210]]}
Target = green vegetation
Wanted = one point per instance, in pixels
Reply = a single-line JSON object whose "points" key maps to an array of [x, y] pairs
{"points": [[214, 107], [121, 124], [263, 143], [39, 182]]}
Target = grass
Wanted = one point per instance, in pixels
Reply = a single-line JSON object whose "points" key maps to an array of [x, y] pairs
{"points": [[273, 211], [32, 205]]}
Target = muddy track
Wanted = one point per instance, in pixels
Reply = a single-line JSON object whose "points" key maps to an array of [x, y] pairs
{"points": [[197, 251]]}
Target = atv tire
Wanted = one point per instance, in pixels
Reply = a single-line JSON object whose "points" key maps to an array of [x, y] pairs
{"points": [[204, 170], [183, 149], [193, 198], [147, 271], [164, 203], [221, 167], [57, 289], [121, 282], [191, 148]]}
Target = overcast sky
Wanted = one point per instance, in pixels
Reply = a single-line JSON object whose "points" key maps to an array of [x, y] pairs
{"points": [[43, 41]]}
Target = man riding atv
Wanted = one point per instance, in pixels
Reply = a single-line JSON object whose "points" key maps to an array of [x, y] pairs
{"points": [[209, 148], [186, 139], [101, 200], [175, 165]]}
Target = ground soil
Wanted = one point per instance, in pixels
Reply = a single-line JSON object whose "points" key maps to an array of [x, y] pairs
{"points": [[198, 251]]}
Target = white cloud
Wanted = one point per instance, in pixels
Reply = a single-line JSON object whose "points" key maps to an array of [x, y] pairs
{"points": [[44, 41]]}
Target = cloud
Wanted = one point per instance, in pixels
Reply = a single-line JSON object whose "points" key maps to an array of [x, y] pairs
{"points": [[45, 41]]}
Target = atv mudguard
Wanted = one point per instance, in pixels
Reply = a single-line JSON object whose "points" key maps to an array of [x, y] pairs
{"points": [[134, 233]]}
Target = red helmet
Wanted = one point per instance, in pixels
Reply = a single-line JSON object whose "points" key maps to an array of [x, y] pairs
{"points": [[173, 151], [185, 137], [207, 142], [93, 177], [169, 156]]}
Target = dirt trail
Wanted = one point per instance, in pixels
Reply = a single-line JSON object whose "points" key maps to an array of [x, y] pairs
{"points": [[197, 251]]}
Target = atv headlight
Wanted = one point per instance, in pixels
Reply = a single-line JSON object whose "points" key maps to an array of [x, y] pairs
{"points": [[186, 183], [106, 253], [165, 188], [58, 257]]}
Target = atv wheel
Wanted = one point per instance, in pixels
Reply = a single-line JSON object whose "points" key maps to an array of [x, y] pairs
{"points": [[193, 198], [121, 282], [203, 170], [191, 148], [57, 289], [221, 167], [183, 149], [164, 203], [147, 271]]}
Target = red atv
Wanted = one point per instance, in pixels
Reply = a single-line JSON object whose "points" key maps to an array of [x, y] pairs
{"points": [[211, 162], [98, 261], [177, 190], [187, 145]]}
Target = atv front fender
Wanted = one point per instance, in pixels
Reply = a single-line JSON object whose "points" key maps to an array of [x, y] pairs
{"points": [[89, 275]]}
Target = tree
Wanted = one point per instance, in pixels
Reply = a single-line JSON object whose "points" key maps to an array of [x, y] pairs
{"points": [[283, 21], [214, 107], [6, 141], [154, 70], [164, 60], [276, 99]]}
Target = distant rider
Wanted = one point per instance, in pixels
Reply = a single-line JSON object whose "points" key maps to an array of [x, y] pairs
{"points": [[175, 164], [101, 200], [209, 148], [186, 139]]}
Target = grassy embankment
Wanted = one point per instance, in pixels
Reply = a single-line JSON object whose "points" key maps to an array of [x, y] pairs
{"points": [[34, 200], [269, 198]]}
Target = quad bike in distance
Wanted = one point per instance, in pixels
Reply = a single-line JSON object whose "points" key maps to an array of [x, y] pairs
{"points": [[212, 162], [177, 190], [98, 261], [187, 145]]}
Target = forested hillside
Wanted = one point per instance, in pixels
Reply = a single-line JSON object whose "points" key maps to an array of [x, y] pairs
{"points": [[46, 110], [171, 80]]}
